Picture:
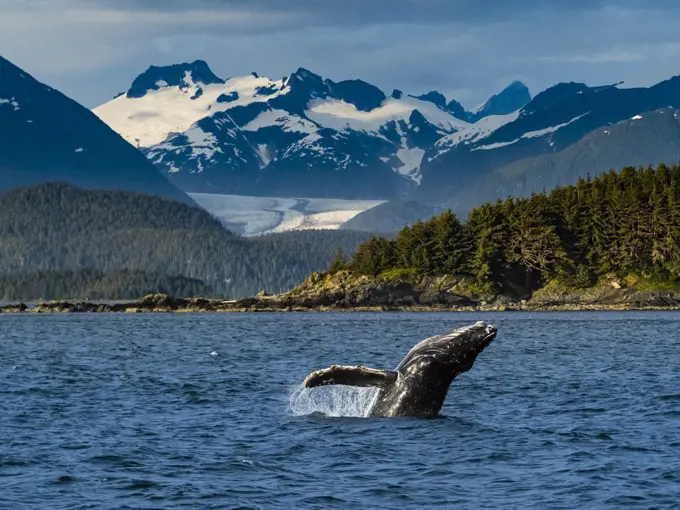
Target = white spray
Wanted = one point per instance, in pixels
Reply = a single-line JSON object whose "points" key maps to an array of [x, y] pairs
{"points": [[339, 400]]}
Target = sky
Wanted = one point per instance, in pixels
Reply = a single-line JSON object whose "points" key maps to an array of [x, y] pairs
{"points": [[466, 49]]}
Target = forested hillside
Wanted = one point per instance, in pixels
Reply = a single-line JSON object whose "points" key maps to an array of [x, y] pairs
{"points": [[624, 223], [94, 284], [59, 228]]}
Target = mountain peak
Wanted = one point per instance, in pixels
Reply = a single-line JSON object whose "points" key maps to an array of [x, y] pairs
{"points": [[361, 94], [175, 75], [434, 97], [458, 111], [305, 75], [510, 99], [557, 94]]}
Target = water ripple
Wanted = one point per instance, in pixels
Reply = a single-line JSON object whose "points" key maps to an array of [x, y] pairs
{"points": [[206, 411]]}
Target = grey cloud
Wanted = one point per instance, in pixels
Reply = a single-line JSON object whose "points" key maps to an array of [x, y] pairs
{"points": [[466, 49], [363, 11]]}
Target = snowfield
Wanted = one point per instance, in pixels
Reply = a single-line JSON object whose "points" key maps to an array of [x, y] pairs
{"points": [[148, 120], [250, 216], [339, 115]]}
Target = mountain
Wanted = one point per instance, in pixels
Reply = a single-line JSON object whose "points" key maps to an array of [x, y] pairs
{"points": [[550, 123], [59, 229], [302, 135], [307, 136], [45, 136], [389, 217], [643, 140], [510, 99]]}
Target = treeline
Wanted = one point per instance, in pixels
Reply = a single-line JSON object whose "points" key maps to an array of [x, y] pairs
{"points": [[95, 285], [57, 227], [615, 223]]}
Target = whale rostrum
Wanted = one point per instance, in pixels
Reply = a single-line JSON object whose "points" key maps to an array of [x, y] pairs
{"points": [[419, 384]]}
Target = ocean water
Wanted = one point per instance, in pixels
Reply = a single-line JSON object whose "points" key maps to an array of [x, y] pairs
{"points": [[563, 410]]}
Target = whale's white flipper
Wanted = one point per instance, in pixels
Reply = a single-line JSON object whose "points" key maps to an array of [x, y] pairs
{"points": [[350, 376]]}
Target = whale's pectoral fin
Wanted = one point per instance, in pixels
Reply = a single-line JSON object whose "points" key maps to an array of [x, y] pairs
{"points": [[350, 376]]}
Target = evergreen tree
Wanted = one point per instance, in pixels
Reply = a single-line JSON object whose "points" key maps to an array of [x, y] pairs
{"points": [[339, 262], [621, 223]]}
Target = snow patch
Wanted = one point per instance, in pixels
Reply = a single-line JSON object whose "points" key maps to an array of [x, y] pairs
{"points": [[263, 152], [547, 131], [79, 149], [530, 134], [492, 146], [282, 119], [11, 102], [637, 117], [339, 115], [411, 159], [202, 143], [474, 132]]}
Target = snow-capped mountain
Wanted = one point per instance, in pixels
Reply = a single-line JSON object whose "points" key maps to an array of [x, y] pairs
{"points": [[552, 121], [644, 139], [509, 100], [302, 135], [45, 136]]}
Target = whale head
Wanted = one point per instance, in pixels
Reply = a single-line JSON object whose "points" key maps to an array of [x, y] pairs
{"points": [[449, 354]]}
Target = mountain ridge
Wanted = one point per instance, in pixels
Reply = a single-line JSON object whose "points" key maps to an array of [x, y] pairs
{"points": [[306, 135], [302, 135], [46, 136]]}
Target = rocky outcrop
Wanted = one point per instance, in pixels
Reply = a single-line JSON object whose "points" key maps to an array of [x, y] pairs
{"points": [[344, 291]]}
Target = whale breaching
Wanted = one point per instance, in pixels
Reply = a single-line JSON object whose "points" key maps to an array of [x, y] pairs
{"points": [[418, 386]]}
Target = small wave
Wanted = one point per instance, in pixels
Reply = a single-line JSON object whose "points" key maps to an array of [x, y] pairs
{"points": [[335, 401]]}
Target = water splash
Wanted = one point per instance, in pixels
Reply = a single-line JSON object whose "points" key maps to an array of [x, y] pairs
{"points": [[335, 401]]}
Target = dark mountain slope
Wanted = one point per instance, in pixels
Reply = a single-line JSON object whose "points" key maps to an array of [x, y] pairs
{"points": [[45, 136], [555, 119], [647, 139], [389, 217]]}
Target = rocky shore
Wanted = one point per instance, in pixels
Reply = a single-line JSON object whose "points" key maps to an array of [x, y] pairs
{"points": [[344, 291]]}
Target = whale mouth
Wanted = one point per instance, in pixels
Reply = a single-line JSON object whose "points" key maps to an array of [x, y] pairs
{"points": [[490, 335]]}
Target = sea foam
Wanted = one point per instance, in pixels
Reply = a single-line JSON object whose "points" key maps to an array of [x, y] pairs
{"points": [[349, 401]]}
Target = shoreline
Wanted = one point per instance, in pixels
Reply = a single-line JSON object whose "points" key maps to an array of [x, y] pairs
{"points": [[346, 292], [167, 304]]}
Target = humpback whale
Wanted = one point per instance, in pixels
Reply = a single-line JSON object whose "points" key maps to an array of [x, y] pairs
{"points": [[419, 384]]}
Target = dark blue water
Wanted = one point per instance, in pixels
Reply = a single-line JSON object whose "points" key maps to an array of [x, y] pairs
{"points": [[574, 410]]}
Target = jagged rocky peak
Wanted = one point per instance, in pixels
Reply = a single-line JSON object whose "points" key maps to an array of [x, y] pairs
{"points": [[363, 95], [557, 94], [305, 77], [458, 110], [434, 97], [510, 99], [175, 75]]}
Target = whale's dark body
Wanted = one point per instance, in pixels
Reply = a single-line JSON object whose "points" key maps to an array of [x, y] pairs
{"points": [[418, 386]]}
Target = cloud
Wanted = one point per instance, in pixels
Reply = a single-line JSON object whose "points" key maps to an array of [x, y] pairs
{"points": [[467, 49]]}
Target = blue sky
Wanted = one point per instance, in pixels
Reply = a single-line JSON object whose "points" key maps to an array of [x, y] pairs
{"points": [[467, 49]]}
